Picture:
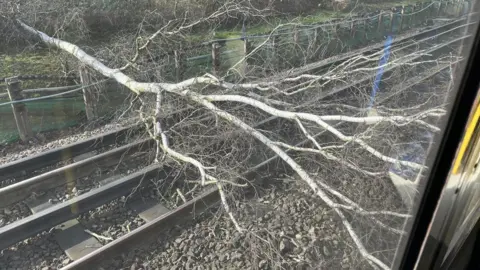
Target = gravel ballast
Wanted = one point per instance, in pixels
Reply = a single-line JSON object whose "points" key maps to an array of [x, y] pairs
{"points": [[111, 220], [64, 193], [36, 253], [286, 228], [57, 139]]}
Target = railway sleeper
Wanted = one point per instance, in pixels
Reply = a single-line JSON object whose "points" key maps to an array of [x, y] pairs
{"points": [[74, 171], [25, 166], [69, 233]]}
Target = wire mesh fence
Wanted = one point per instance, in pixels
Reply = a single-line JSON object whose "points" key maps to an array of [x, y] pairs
{"points": [[247, 57]]}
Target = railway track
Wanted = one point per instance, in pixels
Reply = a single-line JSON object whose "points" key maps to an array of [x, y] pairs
{"points": [[62, 215], [427, 38], [440, 38], [420, 34], [24, 167], [191, 208]]}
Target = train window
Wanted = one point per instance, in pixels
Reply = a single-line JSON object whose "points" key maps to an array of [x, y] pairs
{"points": [[230, 134]]}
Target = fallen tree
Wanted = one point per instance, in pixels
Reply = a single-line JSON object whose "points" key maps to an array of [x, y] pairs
{"points": [[338, 129]]}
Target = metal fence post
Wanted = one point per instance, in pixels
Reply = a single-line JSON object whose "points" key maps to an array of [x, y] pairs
{"points": [[215, 58], [439, 10], [90, 96], [392, 18], [19, 109], [274, 60], [247, 49], [295, 35], [179, 65], [352, 28], [380, 20], [402, 10]]}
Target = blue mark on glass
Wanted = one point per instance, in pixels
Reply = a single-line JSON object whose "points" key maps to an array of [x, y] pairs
{"points": [[378, 77]]}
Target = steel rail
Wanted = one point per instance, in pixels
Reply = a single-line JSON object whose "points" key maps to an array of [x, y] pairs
{"points": [[57, 177], [338, 59], [149, 231], [50, 217], [27, 165], [46, 219], [386, 70], [328, 62], [356, 82], [423, 34], [62, 212]]}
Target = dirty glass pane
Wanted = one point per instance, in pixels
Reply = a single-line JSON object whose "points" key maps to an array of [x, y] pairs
{"points": [[220, 134]]}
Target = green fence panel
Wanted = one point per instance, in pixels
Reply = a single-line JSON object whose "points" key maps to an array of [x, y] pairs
{"points": [[371, 26], [423, 12], [441, 8], [384, 28], [407, 17], [8, 130], [270, 56], [429, 7], [448, 10], [426, 10], [322, 37], [416, 15], [339, 33], [465, 7], [457, 8], [167, 68], [262, 61], [312, 43], [343, 31], [397, 20], [281, 53], [420, 14], [198, 61], [44, 115], [359, 33], [61, 112], [432, 9]]}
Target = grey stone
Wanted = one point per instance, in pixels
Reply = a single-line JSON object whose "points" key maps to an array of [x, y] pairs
{"points": [[262, 264], [236, 255], [175, 256], [236, 241], [189, 264], [285, 246], [326, 251], [178, 240]]}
